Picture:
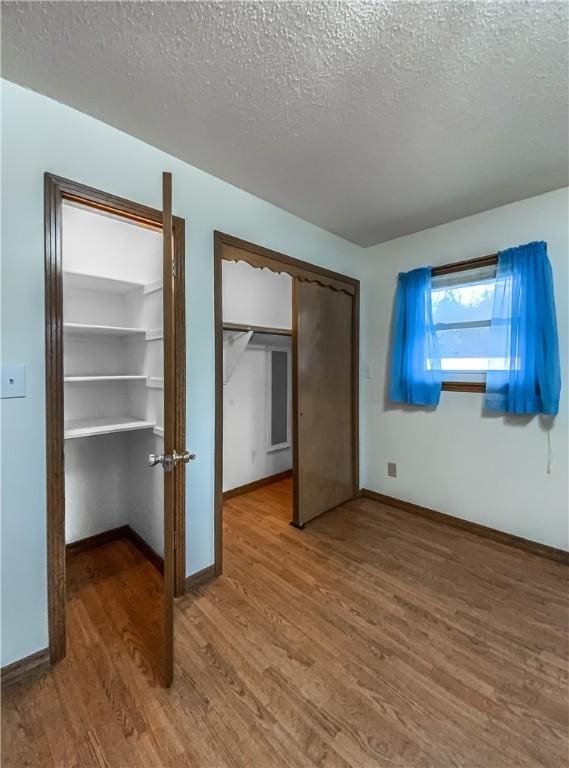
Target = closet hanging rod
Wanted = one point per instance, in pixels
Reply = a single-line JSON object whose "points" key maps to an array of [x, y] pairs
{"points": [[256, 329]]}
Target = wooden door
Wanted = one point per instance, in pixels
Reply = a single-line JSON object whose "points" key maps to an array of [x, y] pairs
{"points": [[170, 467], [323, 358]]}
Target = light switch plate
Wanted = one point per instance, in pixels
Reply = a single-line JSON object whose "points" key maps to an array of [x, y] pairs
{"points": [[13, 380]]}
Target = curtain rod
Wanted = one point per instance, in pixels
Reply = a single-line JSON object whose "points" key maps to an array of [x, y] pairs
{"points": [[256, 329], [459, 266]]}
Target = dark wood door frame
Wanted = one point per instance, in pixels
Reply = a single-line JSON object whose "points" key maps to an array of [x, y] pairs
{"points": [[229, 248], [56, 190]]}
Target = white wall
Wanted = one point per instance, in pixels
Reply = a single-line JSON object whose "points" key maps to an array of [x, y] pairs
{"points": [[96, 487], [103, 244], [40, 135], [456, 459], [264, 298], [256, 296], [245, 422]]}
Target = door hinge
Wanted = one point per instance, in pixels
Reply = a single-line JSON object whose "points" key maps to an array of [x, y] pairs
{"points": [[173, 268]]}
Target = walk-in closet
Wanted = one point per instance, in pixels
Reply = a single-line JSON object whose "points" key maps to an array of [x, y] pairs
{"points": [[257, 377], [113, 378]]}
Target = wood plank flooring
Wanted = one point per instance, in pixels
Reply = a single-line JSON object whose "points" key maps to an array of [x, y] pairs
{"points": [[371, 638]]}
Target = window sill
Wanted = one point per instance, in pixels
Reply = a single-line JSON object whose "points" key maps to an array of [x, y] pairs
{"points": [[279, 447], [464, 386]]}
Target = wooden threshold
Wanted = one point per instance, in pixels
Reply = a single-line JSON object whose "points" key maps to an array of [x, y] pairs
{"points": [[248, 487], [36, 662], [501, 537]]}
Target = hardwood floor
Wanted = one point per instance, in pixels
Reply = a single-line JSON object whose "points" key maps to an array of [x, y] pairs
{"points": [[371, 638]]}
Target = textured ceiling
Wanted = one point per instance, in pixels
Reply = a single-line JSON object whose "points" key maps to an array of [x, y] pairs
{"points": [[369, 119]]}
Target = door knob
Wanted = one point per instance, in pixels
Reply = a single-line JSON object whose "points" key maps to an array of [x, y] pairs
{"points": [[169, 462], [184, 457], [155, 458]]}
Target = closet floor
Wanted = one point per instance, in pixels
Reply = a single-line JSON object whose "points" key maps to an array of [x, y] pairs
{"points": [[114, 607], [371, 638]]}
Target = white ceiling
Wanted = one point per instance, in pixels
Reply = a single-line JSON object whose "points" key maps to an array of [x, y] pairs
{"points": [[369, 119]]}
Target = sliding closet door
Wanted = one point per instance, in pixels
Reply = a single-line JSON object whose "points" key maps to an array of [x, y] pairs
{"points": [[324, 467]]}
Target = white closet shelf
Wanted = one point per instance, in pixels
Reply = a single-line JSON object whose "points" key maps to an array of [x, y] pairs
{"points": [[109, 377], [159, 431], [155, 285], [106, 425], [83, 329], [88, 282]]}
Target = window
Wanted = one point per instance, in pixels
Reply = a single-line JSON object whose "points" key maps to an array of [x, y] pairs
{"points": [[462, 304], [278, 388], [483, 325]]}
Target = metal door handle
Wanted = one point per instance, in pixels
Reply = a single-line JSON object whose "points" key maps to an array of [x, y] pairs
{"points": [[155, 458], [184, 457], [169, 462]]}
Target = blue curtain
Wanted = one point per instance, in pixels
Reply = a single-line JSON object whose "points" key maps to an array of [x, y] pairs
{"points": [[523, 335], [415, 375]]}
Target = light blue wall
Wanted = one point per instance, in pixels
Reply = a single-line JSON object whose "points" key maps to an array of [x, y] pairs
{"points": [[39, 135], [458, 459]]}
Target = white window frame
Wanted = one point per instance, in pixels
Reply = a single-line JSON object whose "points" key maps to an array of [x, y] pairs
{"points": [[287, 444]]}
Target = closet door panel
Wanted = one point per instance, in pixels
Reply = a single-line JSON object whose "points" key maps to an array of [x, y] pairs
{"points": [[169, 393], [325, 431]]}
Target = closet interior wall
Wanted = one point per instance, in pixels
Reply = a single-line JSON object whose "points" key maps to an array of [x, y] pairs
{"points": [[258, 298], [113, 375]]}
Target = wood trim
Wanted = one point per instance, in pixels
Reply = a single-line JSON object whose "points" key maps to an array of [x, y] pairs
{"points": [[295, 521], [460, 266], [56, 593], [170, 446], [15, 672], [150, 553], [57, 189], [501, 537], [255, 484], [257, 329], [218, 447], [200, 578], [97, 540], [236, 249], [103, 201], [356, 390], [179, 233], [464, 386]]}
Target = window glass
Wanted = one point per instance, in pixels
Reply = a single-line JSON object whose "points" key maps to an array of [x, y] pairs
{"points": [[279, 397], [470, 302], [462, 312]]}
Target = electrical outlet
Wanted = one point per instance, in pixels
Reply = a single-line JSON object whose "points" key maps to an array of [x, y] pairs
{"points": [[391, 469], [368, 371]]}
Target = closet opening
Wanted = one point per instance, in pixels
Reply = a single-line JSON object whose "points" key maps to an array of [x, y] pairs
{"points": [[106, 406], [286, 437], [257, 390]]}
